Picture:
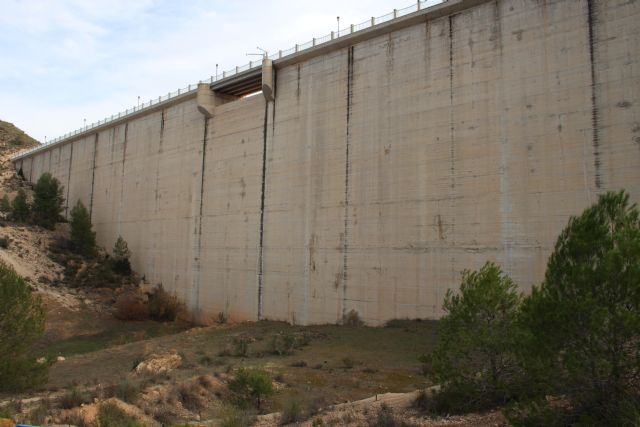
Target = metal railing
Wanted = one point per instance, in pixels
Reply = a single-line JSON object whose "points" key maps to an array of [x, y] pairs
{"points": [[316, 41]]}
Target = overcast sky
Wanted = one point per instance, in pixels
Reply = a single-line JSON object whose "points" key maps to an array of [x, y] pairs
{"points": [[64, 61]]}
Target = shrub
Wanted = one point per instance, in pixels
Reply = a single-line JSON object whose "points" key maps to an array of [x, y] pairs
{"points": [[21, 326], [5, 205], [251, 385], [20, 207], [130, 306], [584, 320], [240, 346], [282, 344], [111, 415], [163, 306], [4, 242], [83, 239], [352, 318], [386, 418], [73, 398], [47, 201], [120, 257], [232, 416], [474, 359], [292, 411], [127, 391]]}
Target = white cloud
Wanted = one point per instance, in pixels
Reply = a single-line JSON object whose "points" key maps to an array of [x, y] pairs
{"points": [[68, 60]]}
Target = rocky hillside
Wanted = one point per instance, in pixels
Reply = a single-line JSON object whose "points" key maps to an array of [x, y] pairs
{"points": [[12, 140]]}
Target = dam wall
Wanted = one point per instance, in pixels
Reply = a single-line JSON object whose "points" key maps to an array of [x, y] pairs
{"points": [[375, 168]]}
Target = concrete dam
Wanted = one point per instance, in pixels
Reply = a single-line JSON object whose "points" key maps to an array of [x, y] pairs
{"points": [[369, 170]]}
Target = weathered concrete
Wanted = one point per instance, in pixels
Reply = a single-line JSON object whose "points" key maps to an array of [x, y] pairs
{"points": [[372, 170]]}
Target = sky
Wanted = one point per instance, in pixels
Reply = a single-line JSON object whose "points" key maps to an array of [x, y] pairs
{"points": [[64, 61]]}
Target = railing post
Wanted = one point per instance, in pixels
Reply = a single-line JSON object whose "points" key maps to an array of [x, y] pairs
{"points": [[236, 69], [313, 42], [250, 64], [331, 35], [224, 74], [373, 21], [418, 4], [296, 47], [352, 28], [280, 54]]}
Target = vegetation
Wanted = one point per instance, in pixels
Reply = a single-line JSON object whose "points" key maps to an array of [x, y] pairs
{"points": [[163, 306], [566, 355], [251, 385], [20, 209], [5, 205], [111, 415], [120, 257], [47, 201], [584, 320], [21, 325], [83, 238], [475, 360]]}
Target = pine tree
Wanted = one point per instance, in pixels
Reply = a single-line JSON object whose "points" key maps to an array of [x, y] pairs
{"points": [[120, 256], [83, 239], [20, 207], [5, 204], [21, 326], [47, 201]]}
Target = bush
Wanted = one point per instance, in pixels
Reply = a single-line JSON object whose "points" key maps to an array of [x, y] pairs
{"points": [[110, 415], [20, 207], [47, 201], [231, 416], [292, 412], [83, 239], [251, 385], [5, 205], [4, 242], [120, 257], [474, 359], [352, 318], [282, 344], [21, 326], [163, 306], [73, 398], [584, 320], [130, 306]]}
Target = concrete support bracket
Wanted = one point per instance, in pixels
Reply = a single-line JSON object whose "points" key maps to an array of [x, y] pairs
{"points": [[208, 99], [268, 89]]}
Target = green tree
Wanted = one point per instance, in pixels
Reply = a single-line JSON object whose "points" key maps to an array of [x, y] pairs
{"points": [[5, 205], [120, 257], [475, 360], [20, 207], [83, 239], [584, 320], [47, 201], [251, 384], [21, 325]]}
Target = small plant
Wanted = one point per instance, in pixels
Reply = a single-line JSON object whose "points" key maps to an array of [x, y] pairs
{"points": [[352, 318], [317, 422], [240, 346], [4, 242], [20, 209], [120, 257], [251, 385], [111, 415], [5, 205], [38, 415], [130, 306], [222, 318], [47, 201], [282, 344], [232, 416], [73, 398], [127, 391], [292, 411], [348, 362], [83, 239], [164, 307]]}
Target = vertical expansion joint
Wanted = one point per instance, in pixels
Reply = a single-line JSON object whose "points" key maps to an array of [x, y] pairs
{"points": [[595, 119], [66, 210], [93, 175], [345, 236], [197, 260], [262, 205]]}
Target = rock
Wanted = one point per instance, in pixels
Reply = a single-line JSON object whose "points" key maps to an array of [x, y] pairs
{"points": [[61, 359], [41, 360], [159, 364]]}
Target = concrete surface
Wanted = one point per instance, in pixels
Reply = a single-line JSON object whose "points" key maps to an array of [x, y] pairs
{"points": [[370, 174]]}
